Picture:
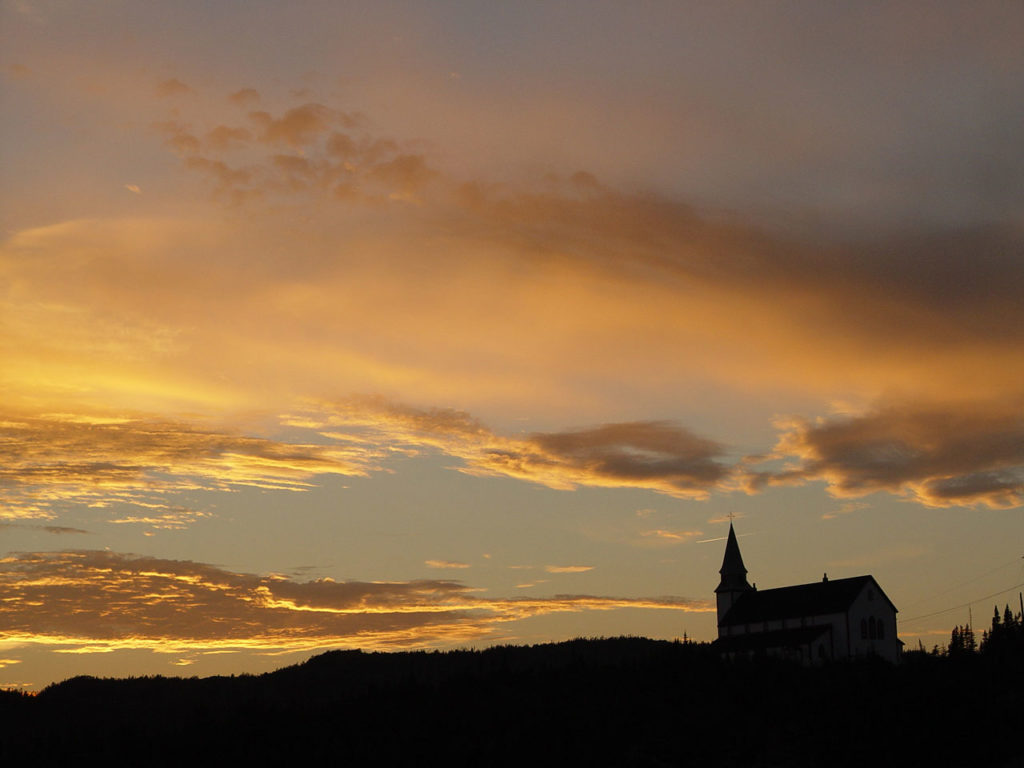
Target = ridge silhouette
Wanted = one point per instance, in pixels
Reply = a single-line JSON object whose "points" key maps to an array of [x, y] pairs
{"points": [[623, 701]]}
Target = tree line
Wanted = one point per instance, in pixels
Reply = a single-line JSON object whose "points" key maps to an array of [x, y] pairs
{"points": [[1002, 640]]}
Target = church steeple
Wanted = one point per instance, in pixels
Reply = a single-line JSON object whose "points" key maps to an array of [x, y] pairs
{"points": [[734, 573], [734, 576]]}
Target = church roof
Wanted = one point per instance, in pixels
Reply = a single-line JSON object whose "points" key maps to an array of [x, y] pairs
{"points": [[816, 599]]}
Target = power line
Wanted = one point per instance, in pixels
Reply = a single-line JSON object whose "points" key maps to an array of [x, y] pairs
{"points": [[962, 605], [969, 581]]}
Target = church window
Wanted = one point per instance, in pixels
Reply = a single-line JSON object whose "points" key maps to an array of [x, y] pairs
{"points": [[881, 630], [863, 629], [871, 628]]}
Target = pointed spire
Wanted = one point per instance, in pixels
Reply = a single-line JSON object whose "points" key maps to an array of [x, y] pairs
{"points": [[734, 573]]}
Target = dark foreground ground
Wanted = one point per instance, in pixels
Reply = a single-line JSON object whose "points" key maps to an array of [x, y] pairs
{"points": [[618, 702]]}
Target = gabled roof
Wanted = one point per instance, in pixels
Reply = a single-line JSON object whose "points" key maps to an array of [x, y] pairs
{"points": [[822, 597]]}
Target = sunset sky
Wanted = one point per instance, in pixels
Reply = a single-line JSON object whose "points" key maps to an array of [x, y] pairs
{"points": [[432, 325]]}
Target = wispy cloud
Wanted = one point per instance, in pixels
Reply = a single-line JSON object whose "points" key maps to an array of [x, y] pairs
{"points": [[245, 97], [568, 568], [173, 87], [674, 537], [603, 290], [600, 290], [87, 601], [445, 564], [56, 530], [724, 518], [845, 509], [655, 455], [46, 460], [843, 296]]}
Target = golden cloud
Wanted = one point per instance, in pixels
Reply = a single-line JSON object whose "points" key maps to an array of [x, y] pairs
{"points": [[557, 296], [674, 537], [568, 568], [45, 460], [575, 295], [654, 455], [101, 601]]}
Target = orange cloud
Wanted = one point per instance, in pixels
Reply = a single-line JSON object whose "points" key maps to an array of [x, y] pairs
{"points": [[100, 601], [49, 459], [671, 536], [654, 455], [178, 137], [605, 299], [224, 137], [563, 297], [300, 125], [568, 568], [173, 87], [246, 97]]}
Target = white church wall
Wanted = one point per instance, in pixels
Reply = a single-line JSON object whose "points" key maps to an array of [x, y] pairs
{"points": [[873, 625]]}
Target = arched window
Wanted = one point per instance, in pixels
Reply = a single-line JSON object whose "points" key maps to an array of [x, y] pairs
{"points": [[871, 627], [863, 629], [881, 629]]}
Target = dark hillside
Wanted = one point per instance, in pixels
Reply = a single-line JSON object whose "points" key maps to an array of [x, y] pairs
{"points": [[618, 702]]}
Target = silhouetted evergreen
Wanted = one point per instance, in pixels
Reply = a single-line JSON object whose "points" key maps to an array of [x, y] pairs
{"points": [[1005, 639], [613, 702]]}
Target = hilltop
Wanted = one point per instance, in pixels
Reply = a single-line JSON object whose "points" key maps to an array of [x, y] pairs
{"points": [[622, 701]]}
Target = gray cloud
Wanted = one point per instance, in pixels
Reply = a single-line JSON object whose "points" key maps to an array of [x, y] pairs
{"points": [[939, 455], [937, 287], [640, 451], [53, 529]]}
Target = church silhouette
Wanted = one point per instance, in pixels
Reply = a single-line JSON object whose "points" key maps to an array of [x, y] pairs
{"points": [[810, 623]]}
